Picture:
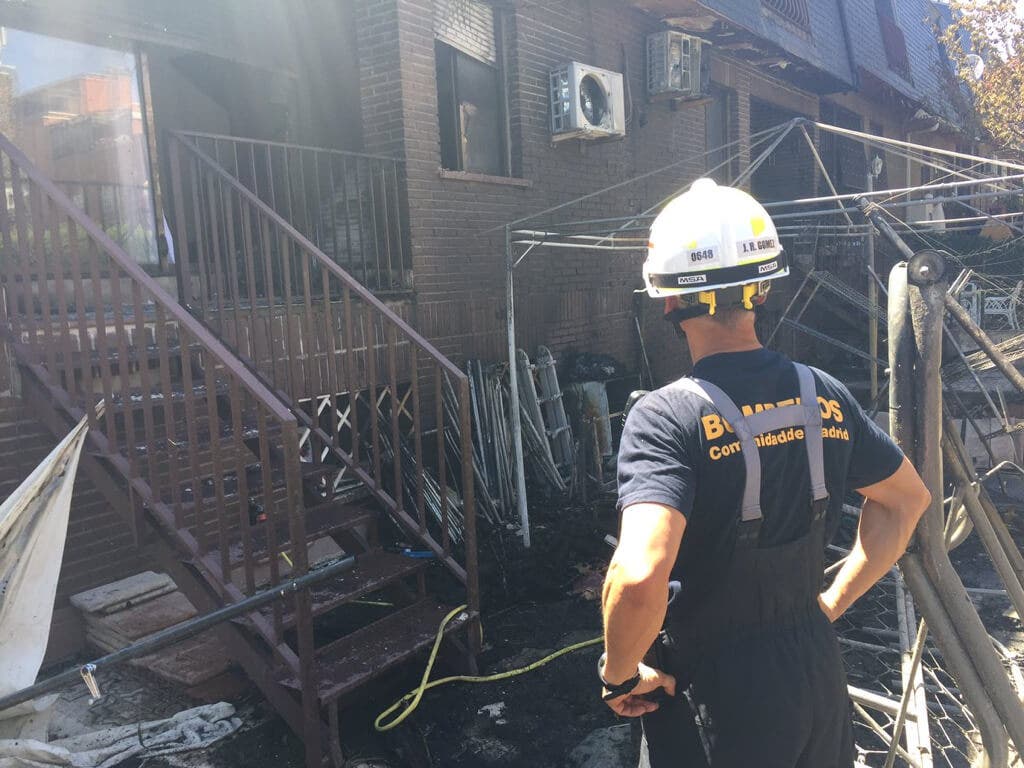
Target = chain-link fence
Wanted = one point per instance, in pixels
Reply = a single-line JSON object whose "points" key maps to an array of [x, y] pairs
{"points": [[877, 637]]}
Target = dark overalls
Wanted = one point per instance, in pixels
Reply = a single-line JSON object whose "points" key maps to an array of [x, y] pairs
{"points": [[760, 682]]}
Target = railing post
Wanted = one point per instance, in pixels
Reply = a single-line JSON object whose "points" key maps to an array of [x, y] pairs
{"points": [[182, 256], [303, 600]]}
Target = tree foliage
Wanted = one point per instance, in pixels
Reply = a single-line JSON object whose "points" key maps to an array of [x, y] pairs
{"points": [[992, 30]]}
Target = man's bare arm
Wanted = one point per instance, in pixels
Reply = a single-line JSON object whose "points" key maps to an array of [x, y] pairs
{"points": [[634, 598], [887, 521]]}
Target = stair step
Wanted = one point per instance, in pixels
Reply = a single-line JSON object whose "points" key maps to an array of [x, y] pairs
{"points": [[313, 471], [323, 520], [13, 435], [357, 658], [137, 397], [373, 571], [92, 357]]}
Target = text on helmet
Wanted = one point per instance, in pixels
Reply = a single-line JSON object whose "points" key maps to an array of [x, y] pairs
{"points": [[691, 279], [756, 246]]}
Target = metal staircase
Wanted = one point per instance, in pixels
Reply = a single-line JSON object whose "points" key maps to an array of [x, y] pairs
{"points": [[246, 426]]}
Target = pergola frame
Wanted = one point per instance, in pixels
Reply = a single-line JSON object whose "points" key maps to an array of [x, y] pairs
{"points": [[629, 233]]}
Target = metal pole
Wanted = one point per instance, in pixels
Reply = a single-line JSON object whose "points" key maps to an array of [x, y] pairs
{"points": [[958, 660], [513, 385], [825, 174], [927, 302], [872, 302], [908, 696], [983, 340], [752, 168], [1008, 564], [924, 302], [179, 632], [902, 406]]}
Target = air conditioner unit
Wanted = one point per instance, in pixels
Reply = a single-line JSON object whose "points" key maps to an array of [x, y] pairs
{"points": [[586, 103], [677, 65]]}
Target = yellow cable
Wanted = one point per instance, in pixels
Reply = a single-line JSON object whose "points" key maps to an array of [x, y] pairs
{"points": [[414, 696]]}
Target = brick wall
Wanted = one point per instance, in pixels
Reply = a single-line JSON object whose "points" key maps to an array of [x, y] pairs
{"points": [[469, 26], [570, 300]]}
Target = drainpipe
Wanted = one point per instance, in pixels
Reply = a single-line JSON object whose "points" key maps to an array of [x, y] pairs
{"points": [[848, 43]]}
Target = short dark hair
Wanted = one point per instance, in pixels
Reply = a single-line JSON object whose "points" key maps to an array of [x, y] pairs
{"points": [[731, 315]]}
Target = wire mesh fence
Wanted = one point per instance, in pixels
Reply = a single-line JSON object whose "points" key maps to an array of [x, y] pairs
{"points": [[876, 637]]}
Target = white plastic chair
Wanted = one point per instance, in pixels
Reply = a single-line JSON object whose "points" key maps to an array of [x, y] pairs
{"points": [[1005, 306]]}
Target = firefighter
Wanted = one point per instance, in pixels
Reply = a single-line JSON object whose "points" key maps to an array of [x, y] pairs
{"points": [[717, 631]]}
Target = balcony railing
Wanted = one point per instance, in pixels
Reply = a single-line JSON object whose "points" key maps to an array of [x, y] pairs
{"points": [[349, 205]]}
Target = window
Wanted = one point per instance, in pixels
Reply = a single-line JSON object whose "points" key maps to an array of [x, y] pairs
{"points": [[791, 10], [76, 111], [469, 101], [886, 8], [893, 41]]}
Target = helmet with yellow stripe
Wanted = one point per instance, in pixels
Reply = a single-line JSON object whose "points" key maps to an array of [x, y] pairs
{"points": [[713, 247]]}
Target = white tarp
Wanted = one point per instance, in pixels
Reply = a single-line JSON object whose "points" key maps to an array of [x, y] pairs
{"points": [[33, 526], [192, 729]]}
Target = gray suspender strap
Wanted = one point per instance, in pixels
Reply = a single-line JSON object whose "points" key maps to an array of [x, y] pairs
{"points": [[813, 439], [807, 415], [751, 508]]}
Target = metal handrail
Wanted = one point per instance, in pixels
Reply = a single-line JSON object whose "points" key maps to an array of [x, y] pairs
{"points": [[214, 194], [217, 348], [321, 260], [287, 145]]}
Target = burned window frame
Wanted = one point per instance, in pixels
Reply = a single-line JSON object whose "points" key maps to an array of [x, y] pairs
{"points": [[894, 41], [450, 127]]}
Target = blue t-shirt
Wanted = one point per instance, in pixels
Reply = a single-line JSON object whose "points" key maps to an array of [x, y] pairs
{"points": [[675, 451]]}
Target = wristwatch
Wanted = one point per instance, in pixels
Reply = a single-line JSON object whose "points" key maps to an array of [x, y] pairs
{"points": [[621, 689]]}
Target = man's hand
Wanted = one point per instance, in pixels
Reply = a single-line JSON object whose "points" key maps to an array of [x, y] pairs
{"points": [[633, 704], [827, 608]]}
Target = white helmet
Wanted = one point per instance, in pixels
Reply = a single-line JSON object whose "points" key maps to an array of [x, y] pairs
{"points": [[710, 238]]}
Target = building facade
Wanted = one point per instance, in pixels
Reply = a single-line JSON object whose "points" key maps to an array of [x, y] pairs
{"points": [[268, 238]]}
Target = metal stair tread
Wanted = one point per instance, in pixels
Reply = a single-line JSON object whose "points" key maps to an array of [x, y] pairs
{"points": [[139, 398], [359, 657], [373, 570], [93, 357], [322, 520]]}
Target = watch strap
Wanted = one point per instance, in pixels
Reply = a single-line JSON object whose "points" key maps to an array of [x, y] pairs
{"points": [[619, 689], [614, 691]]}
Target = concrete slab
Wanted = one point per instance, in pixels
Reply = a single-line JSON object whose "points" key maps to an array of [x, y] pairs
{"points": [[122, 594], [188, 663], [145, 619]]}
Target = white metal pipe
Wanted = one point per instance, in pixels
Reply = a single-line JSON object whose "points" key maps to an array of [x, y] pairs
{"points": [[910, 145], [513, 382], [899, 191]]}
